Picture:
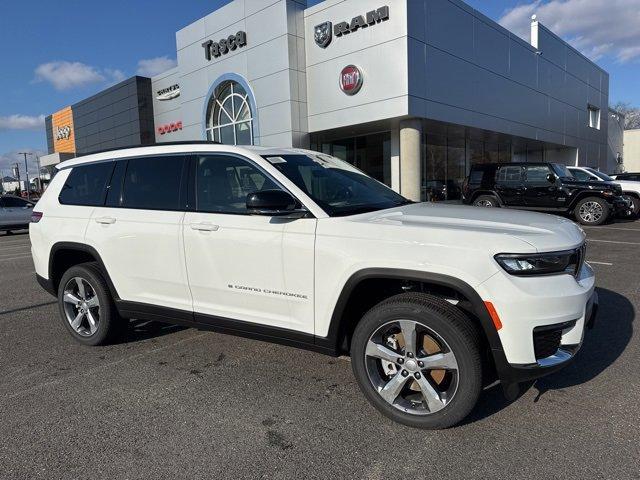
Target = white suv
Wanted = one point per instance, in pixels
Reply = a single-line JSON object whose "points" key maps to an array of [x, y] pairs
{"points": [[630, 189], [432, 302]]}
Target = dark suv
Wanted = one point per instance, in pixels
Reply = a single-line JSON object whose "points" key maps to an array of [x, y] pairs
{"points": [[545, 187]]}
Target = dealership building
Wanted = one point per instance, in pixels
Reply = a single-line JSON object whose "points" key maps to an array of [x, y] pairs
{"points": [[411, 91]]}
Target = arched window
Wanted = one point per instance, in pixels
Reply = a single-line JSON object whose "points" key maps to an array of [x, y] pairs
{"points": [[229, 115]]}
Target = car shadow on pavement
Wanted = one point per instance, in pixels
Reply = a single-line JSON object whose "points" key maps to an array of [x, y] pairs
{"points": [[602, 347], [140, 330]]}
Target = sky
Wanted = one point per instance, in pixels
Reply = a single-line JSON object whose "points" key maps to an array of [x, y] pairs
{"points": [[56, 53]]}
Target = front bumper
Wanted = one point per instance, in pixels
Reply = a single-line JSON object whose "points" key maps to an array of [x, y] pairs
{"points": [[543, 321], [622, 206]]}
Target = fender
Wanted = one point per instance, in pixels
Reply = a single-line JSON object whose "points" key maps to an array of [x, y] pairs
{"points": [[81, 247], [332, 341]]}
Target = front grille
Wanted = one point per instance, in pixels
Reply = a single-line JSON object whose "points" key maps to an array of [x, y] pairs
{"points": [[546, 340]]}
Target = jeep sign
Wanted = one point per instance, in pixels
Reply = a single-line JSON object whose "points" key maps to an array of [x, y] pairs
{"points": [[351, 79]]}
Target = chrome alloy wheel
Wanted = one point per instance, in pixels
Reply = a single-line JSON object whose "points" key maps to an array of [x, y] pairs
{"points": [[411, 367], [484, 203], [81, 306], [591, 212]]}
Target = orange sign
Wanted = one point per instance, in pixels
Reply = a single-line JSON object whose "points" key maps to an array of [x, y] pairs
{"points": [[63, 137]]}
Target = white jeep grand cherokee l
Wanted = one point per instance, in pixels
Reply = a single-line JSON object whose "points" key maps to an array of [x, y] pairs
{"points": [[432, 302]]}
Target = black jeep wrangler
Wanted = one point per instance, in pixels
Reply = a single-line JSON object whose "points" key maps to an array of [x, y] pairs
{"points": [[545, 187]]}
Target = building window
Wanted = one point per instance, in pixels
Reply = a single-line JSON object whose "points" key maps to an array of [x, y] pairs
{"points": [[229, 115], [594, 117]]}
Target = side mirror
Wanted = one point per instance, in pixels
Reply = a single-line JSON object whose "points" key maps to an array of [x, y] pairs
{"points": [[551, 178], [273, 203]]}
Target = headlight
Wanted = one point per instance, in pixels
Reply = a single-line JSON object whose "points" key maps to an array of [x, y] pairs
{"points": [[541, 263]]}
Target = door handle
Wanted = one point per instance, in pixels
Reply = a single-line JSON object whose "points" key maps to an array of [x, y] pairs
{"points": [[106, 220], [205, 227]]}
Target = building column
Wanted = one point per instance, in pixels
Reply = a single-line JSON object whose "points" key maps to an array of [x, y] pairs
{"points": [[395, 159], [410, 158]]}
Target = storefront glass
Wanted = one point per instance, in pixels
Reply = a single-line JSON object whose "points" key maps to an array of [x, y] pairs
{"points": [[369, 153]]}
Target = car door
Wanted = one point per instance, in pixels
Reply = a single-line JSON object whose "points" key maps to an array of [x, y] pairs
{"points": [[540, 192], [509, 185], [138, 231], [256, 269]]}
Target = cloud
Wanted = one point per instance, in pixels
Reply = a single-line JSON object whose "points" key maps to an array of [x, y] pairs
{"points": [[151, 67], [9, 159], [595, 27], [22, 122], [65, 75]]}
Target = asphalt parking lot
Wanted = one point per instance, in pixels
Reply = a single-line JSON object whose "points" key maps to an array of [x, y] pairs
{"points": [[169, 402]]}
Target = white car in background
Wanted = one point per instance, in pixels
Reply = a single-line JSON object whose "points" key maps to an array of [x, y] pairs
{"points": [[630, 189]]}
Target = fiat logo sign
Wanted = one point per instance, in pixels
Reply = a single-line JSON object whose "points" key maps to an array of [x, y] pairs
{"points": [[351, 79]]}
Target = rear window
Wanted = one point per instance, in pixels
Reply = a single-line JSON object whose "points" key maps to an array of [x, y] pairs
{"points": [[153, 183], [86, 185]]}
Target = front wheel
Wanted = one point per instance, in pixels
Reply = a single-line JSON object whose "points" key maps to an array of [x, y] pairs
{"points": [[592, 211], [417, 360]]}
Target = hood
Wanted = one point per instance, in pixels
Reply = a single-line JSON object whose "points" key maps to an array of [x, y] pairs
{"points": [[598, 185], [543, 232]]}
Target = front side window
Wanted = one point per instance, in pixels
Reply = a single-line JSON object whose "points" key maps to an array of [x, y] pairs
{"points": [[581, 175], [600, 175], [229, 116], [153, 183], [537, 174], [86, 185], [223, 183], [337, 187]]}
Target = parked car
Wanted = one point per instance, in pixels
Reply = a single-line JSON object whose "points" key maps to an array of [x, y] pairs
{"points": [[15, 213], [543, 187], [630, 189], [431, 301], [634, 177]]}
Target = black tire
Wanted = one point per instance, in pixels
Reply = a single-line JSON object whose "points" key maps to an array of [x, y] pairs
{"points": [[110, 324], [447, 322], [487, 201], [636, 205], [584, 213]]}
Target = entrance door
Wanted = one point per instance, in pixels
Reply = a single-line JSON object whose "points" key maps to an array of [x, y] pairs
{"points": [[256, 269]]}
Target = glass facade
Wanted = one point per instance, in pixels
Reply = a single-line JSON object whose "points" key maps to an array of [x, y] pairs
{"points": [[369, 153], [229, 116], [446, 161]]}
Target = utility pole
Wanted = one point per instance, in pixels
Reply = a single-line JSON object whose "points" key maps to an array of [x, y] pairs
{"points": [[26, 172]]}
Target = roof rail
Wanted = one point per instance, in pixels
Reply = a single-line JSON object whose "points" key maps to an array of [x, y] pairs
{"points": [[155, 144]]}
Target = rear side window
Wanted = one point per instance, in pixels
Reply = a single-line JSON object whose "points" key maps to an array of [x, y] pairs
{"points": [[86, 185], [153, 183]]}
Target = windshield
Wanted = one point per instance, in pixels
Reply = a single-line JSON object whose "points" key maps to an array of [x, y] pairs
{"points": [[600, 175], [561, 170], [336, 186]]}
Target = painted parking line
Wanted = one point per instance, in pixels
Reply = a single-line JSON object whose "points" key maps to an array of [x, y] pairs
{"points": [[614, 228], [13, 247], [14, 258], [613, 241], [591, 262]]}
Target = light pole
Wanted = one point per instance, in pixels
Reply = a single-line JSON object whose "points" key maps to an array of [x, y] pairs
{"points": [[26, 172]]}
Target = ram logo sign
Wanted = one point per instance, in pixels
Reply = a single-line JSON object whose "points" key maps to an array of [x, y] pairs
{"points": [[323, 32]]}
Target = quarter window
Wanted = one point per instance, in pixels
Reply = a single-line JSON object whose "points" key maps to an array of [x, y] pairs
{"points": [[223, 183], [153, 183], [86, 185], [229, 115]]}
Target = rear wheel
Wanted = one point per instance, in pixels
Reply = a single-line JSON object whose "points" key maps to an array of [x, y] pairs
{"points": [[86, 307], [592, 211], [417, 360], [487, 201]]}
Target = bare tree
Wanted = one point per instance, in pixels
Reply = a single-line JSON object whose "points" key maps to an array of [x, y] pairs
{"points": [[631, 114]]}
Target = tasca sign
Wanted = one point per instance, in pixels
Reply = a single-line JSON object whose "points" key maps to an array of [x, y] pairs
{"points": [[222, 47], [323, 33]]}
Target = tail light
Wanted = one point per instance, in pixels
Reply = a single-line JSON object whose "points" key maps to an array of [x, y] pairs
{"points": [[36, 217]]}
